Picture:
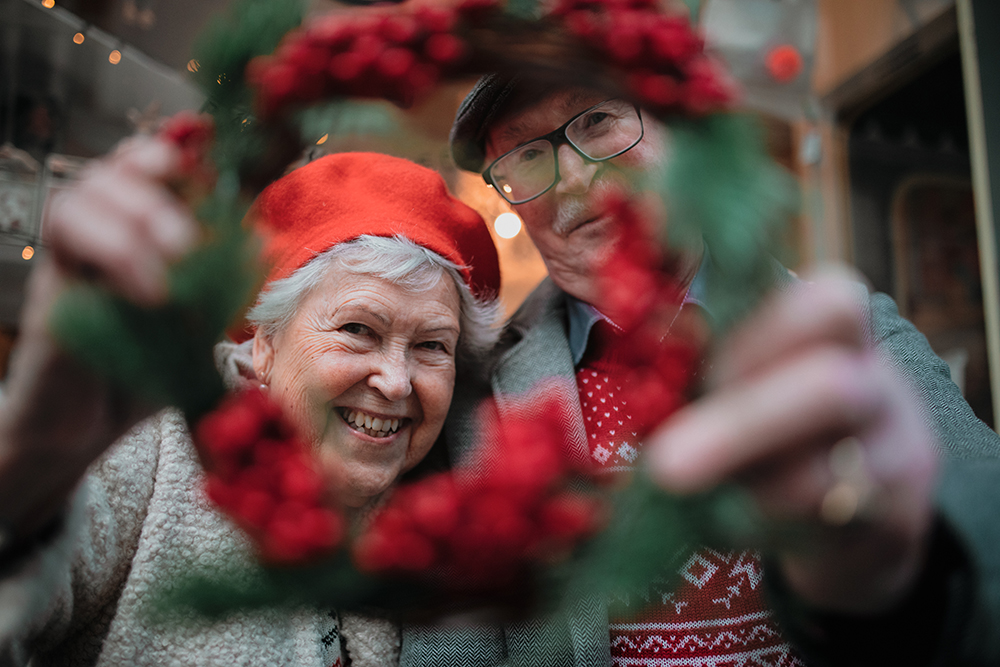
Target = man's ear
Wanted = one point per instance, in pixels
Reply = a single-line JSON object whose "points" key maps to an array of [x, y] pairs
{"points": [[263, 356]]}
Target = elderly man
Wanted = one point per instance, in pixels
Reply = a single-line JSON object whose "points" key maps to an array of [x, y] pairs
{"points": [[825, 382]]}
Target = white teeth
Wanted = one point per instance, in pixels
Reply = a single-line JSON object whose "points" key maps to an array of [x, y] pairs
{"points": [[378, 426]]}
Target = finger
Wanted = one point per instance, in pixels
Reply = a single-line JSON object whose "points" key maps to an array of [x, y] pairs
{"points": [[112, 254], [791, 488], [147, 206], [825, 312], [829, 394], [148, 157]]}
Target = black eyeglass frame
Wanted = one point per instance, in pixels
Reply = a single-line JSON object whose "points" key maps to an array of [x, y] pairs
{"points": [[557, 138]]}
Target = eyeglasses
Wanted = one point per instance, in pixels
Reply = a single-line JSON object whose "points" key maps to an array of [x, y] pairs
{"points": [[600, 133]]}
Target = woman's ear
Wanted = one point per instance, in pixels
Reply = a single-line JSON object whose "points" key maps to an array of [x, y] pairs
{"points": [[263, 356]]}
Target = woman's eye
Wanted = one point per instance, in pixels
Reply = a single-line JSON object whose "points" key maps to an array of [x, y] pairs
{"points": [[435, 345], [356, 329]]}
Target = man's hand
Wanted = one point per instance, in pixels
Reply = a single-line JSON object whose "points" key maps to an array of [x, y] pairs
{"points": [[120, 227], [821, 431]]}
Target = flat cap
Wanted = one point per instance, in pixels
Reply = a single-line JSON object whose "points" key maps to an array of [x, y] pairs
{"points": [[483, 106]]}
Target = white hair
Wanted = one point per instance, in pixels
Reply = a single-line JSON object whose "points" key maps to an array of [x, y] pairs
{"points": [[396, 259]]}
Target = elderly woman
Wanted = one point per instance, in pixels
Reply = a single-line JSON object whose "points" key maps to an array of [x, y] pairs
{"points": [[380, 294]]}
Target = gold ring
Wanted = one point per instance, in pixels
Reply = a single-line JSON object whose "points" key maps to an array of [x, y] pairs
{"points": [[852, 487]]}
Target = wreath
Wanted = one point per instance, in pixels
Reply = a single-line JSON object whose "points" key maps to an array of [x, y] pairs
{"points": [[552, 526]]}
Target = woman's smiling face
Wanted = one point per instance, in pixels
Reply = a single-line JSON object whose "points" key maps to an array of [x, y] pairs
{"points": [[366, 368]]}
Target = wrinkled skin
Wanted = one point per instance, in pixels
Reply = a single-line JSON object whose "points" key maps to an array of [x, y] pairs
{"points": [[360, 343], [565, 222]]}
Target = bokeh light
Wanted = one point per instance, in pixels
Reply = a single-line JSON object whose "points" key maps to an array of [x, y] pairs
{"points": [[507, 225], [115, 57], [27, 253]]}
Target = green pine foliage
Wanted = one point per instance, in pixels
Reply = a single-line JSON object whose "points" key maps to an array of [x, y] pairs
{"points": [[722, 187], [347, 118], [165, 353]]}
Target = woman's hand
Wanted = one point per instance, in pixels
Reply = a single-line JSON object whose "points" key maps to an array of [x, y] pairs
{"points": [[120, 227], [821, 431]]}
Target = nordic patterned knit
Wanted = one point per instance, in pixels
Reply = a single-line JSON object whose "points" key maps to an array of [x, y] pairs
{"points": [[716, 617]]}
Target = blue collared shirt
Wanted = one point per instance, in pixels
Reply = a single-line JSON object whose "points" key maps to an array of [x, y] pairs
{"points": [[583, 316]]}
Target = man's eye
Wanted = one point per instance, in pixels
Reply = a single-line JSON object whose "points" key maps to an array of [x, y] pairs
{"points": [[529, 154], [356, 329], [594, 119]]}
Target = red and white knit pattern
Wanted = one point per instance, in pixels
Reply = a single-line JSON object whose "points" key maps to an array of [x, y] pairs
{"points": [[716, 617], [610, 432]]}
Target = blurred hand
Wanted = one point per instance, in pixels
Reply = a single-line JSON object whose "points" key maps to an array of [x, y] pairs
{"points": [[120, 227], [795, 398]]}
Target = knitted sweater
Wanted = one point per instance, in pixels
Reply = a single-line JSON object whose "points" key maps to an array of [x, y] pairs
{"points": [[138, 518]]}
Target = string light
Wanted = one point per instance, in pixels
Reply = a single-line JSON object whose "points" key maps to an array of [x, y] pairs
{"points": [[48, 4], [322, 140], [115, 57], [507, 225], [78, 38], [27, 253], [193, 65]]}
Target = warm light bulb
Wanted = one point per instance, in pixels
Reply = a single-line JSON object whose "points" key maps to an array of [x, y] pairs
{"points": [[507, 225], [27, 253], [78, 38], [115, 57], [322, 140], [48, 4]]}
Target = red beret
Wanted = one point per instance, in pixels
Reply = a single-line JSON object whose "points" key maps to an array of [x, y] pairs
{"points": [[342, 196]]}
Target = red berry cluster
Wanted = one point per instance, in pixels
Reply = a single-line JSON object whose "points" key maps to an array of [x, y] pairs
{"points": [[261, 474], [668, 69], [193, 134], [389, 55], [488, 531], [637, 279]]}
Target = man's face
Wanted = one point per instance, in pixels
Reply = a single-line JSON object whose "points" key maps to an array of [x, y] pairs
{"points": [[565, 222]]}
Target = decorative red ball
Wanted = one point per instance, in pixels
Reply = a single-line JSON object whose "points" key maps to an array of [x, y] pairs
{"points": [[784, 63]]}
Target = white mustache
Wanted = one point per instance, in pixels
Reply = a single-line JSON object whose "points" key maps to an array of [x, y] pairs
{"points": [[574, 209]]}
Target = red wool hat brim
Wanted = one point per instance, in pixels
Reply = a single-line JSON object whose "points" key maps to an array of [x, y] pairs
{"points": [[342, 196]]}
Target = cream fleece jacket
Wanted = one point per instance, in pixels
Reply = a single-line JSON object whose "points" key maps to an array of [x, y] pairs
{"points": [[138, 518]]}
